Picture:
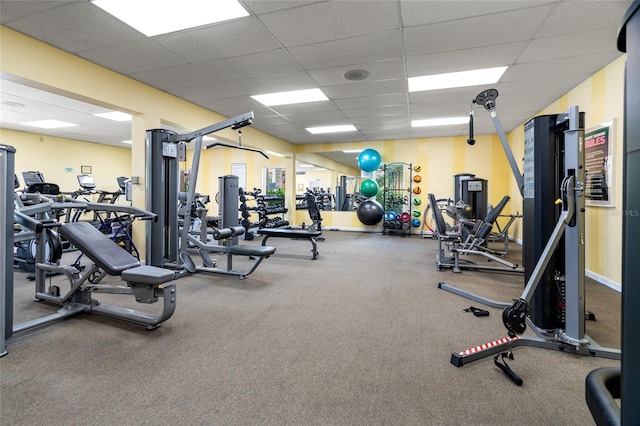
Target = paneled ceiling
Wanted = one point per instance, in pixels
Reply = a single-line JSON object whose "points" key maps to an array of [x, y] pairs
{"points": [[550, 46]]}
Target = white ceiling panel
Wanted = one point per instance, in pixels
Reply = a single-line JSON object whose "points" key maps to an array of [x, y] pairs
{"points": [[467, 59], [364, 89], [340, 19], [474, 32], [380, 70], [429, 12], [224, 40], [139, 55], [356, 50]]}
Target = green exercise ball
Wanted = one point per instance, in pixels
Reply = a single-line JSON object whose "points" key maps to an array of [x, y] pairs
{"points": [[417, 201], [369, 188]]}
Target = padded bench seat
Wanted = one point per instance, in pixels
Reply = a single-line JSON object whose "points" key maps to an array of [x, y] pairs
{"points": [[108, 255], [294, 234], [147, 275], [251, 251]]}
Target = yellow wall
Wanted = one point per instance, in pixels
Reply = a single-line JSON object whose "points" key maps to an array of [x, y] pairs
{"points": [[60, 160], [601, 98]]}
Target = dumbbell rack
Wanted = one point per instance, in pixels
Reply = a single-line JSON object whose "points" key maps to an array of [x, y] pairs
{"points": [[397, 198], [262, 209]]}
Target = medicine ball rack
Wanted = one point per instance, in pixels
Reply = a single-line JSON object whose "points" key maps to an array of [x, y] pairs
{"points": [[397, 198]]}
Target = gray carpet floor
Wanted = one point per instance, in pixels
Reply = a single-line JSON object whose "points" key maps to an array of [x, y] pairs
{"points": [[360, 336]]}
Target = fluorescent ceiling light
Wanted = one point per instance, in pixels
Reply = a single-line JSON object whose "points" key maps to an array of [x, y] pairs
{"points": [[127, 142], [153, 17], [305, 165], [350, 151], [275, 154], [331, 129], [115, 116], [49, 124], [440, 121], [456, 79], [291, 97]]}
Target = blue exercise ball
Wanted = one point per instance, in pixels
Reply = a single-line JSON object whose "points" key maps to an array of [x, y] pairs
{"points": [[415, 223], [370, 212], [369, 160]]}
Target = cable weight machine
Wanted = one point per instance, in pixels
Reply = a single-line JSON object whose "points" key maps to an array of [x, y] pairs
{"points": [[552, 187]]}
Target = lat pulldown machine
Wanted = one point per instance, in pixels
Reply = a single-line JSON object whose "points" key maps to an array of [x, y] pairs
{"points": [[169, 242], [553, 149]]}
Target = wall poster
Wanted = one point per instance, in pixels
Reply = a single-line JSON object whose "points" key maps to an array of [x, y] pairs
{"points": [[598, 159]]}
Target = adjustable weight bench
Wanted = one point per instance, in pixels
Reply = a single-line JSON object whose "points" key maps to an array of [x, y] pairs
{"points": [[293, 234], [144, 282]]}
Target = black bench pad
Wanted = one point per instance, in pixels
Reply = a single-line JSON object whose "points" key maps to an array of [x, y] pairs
{"points": [[261, 251], [289, 233], [98, 247], [147, 275], [301, 234]]}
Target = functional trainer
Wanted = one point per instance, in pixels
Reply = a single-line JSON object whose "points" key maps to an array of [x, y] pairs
{"points": [[559, 326]]}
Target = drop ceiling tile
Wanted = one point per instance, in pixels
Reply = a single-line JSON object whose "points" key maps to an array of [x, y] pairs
{"points": [[377, 112], [325, 21], [249, 86], [474, 32], [355, 50], [364, 89], [17, 9], [378, 71], [568, 45], [135, 56], [467, 59], [372, 101], [261, 7], [243, 67], [559, 67], [428, 12], [228, 39], [305, 108], [590, 14], [76, 27]]}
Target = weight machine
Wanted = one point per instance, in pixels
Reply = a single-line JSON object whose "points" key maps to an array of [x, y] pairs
{"points": [[169, 242], [147, 284], [553, 148]]}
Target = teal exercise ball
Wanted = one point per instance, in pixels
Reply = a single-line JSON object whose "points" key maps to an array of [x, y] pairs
{"points": [[415, 223], [369, 188], [370, 212], [369, 160]]}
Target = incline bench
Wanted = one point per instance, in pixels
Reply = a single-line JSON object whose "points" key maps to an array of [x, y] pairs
{"points": [[294, 234], [144, 282]]}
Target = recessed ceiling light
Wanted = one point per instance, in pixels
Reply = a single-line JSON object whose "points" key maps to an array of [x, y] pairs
{"points": [[331, 129], [356, 75], [456, 79], [291, 97], [115, 116], [49, 124], [439, 121], [153, 17]]}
